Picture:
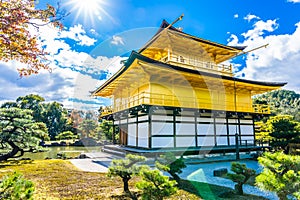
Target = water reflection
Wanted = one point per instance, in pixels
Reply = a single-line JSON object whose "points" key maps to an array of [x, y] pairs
{"points": [[52, 151]]}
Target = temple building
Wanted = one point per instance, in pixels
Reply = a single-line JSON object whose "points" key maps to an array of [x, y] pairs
{"points": [[177, 93]]}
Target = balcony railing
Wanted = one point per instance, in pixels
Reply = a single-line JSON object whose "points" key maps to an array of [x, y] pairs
{"points": [[261, 108], [184, 102], [106, 110], [197, 64]]}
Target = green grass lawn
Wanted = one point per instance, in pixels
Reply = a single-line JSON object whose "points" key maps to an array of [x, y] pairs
{"points": [[59, 179]]}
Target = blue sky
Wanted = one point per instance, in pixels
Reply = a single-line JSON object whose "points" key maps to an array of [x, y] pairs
{"points": [[98, 34]]}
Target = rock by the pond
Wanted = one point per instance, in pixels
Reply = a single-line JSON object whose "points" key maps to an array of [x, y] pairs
{"points": [[82, 156], [220, 172]]}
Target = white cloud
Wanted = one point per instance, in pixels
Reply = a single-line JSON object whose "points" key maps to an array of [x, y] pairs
{"points": [[294, 1], [74, 74], [94, 32], [259, 28], [279, 61], [236, 16], [77, 33], [117, 40], [249, 17]]}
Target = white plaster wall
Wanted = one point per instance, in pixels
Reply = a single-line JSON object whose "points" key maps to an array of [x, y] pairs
{"points": [[233, 129], [124, 121], [222, 140], [232, 140], [143, 135], [205, 129], [206, 141], [162, 142], [233, 121], [162, 128], [247, 130], [244, 121], [221, 120], [185, 119], [200, 119], [162, 117], [185, 142], [132, 119], [142, 118], [185, 129], [131, 135], [221, 129]]}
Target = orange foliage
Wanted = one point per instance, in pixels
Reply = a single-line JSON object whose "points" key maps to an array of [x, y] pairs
{"points": [[16, 42]]}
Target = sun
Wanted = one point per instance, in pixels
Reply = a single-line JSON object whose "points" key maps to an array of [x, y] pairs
{"points": [[89, 10]]}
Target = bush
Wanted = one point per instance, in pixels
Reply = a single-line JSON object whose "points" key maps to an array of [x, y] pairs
{"points": [[14, 186], [155, 186], [66, 135]]}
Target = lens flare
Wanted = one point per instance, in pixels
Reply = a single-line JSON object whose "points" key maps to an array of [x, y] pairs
{"points": [[89, 10]]}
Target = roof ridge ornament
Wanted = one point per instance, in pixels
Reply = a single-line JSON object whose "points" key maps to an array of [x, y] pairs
{"points": [[160, 31], [175, 21], [256, 48]]}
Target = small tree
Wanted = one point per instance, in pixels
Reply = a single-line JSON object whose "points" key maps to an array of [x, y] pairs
{"points": [[241, 175], [171, 164], [66, 135], [14, 186], [283, 130], [19, 133], [105, 129], [126, 169], [155, 186], [281, 174], [88, 128]]}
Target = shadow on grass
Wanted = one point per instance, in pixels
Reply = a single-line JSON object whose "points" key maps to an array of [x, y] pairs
{"points": [[9, 163], [124, 196]]}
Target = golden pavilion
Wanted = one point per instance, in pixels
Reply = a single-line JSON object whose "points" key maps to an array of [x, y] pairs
{"points": [[177, 93]]}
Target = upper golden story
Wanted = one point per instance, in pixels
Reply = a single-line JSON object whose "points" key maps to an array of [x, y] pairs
{"points": [[172, 46]]}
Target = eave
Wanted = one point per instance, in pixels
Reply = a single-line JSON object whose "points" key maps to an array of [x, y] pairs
{"points": [[111, 83]]}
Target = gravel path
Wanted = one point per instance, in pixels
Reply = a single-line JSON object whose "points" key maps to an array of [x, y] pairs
{"points": [[88, 165], [202, 172]]}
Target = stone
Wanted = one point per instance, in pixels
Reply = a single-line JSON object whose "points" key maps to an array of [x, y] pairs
{"points": [[220, 172]]}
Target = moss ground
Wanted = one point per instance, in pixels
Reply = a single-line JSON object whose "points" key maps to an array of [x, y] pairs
{"points": [[59, 179]]}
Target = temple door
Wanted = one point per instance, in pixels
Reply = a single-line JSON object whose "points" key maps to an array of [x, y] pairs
{"points": [[123, 136]]}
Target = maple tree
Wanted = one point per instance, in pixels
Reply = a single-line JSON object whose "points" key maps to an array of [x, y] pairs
{"points": [[16, 40]]}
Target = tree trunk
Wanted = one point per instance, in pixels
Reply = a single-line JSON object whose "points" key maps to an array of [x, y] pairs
{"points": [[175, 177], [239, 189], [282, 195], [14, 151], [125, 187]]}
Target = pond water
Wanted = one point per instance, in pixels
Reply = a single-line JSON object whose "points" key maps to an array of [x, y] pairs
{"points": [[52, 152]]}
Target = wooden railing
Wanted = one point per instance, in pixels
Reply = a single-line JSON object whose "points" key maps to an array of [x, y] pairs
{"points": [[197, 64], [184, 102]]}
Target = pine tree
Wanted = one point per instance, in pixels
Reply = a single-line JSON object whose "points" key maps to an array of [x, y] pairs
{"points": [[155, 186], [171, 164], [19, 133], [281, 174], [126, 169], [241, 175]]}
